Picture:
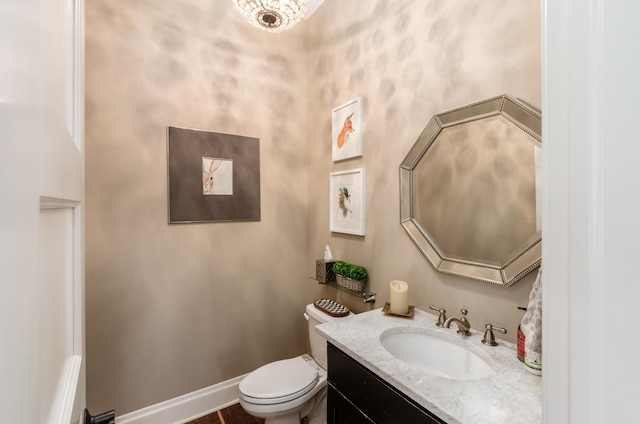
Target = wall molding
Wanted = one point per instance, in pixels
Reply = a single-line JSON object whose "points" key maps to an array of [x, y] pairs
{"points": [[185, 408], [66, 395]]}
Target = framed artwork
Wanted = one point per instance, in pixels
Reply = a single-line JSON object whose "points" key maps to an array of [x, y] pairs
{"points": [[346, 202], [212, 176], [346, 130]]}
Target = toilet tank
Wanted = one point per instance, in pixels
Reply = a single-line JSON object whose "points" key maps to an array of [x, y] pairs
{"points": [[319, 343]]}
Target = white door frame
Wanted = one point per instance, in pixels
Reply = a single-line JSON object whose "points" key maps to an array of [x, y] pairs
{"points": [[70, 399], [590, 210], [72, 389]]}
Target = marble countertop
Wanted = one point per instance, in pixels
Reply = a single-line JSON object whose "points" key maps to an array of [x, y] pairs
{"points": [[511, 395]]}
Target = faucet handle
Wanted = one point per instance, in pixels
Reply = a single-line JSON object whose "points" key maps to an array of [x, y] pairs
{"points": [[442, 317], [463, 318], [489, 339]]}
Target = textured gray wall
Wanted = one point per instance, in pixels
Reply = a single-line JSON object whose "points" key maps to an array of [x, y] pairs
{"points": [[175, 308], [171, 309], [409, 60]]}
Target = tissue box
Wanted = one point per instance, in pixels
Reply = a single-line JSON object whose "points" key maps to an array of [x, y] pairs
{"points": [[324, 271]]}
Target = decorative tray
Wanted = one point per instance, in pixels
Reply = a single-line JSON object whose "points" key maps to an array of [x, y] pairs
{"points": [[409, 314], [331, 307]]}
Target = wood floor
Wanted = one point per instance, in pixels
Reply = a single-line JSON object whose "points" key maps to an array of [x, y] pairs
{"points": [[233, 414]]}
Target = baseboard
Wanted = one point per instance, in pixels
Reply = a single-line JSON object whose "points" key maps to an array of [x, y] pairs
{"points": [[187, 407]]}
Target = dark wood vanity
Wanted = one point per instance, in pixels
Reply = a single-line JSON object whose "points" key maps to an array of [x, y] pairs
{"points": [[356, 395]]}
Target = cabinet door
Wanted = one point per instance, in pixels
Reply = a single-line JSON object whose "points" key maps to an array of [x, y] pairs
{"points": [[372, 395], [341, 411]]}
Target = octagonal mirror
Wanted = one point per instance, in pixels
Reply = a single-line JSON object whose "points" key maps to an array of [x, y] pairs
{"points": [[469, 191]]}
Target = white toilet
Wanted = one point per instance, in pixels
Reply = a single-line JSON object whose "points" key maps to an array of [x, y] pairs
{"points": [[283, 392]]}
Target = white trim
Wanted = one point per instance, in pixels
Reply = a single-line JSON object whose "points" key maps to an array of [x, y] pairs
{"points": [[78, 76], [52, 203], [590, 229], [555, 248], [66, 394], [67, 390], [187, 407], [79, 319]]}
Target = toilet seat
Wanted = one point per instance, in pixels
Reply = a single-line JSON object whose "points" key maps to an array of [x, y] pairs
{"points": [[280, 381]]}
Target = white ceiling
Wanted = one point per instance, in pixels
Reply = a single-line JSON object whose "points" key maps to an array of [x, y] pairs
{"points": [[312, 6]]}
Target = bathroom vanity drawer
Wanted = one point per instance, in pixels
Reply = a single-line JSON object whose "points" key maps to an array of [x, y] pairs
{"points": [[361, 390]]}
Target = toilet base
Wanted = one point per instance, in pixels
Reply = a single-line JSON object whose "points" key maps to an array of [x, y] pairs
{"points": [[317, 414], [315, 409]]}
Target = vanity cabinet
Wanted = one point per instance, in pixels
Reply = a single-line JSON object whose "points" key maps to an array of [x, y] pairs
{"points": [[358, 396]]}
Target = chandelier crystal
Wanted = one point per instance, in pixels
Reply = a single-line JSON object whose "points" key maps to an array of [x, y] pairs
{"points": [[272, 15]]}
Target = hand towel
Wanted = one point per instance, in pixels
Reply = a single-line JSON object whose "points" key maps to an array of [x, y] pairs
{"points": [[531, 327]]}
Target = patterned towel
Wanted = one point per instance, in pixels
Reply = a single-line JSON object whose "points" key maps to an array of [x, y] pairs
{"points": [[531, 327]]}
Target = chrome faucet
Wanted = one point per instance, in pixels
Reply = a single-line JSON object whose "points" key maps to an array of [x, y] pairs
{"points": [[463, 324]]}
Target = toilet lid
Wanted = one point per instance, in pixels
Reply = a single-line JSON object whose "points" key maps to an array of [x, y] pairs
{"points": [[279, 381]]}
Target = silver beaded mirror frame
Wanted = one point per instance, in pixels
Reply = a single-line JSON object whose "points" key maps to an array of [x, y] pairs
{"points": [[470, 190]]}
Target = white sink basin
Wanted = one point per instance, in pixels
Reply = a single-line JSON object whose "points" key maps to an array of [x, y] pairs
{"points": [[432, 354]]}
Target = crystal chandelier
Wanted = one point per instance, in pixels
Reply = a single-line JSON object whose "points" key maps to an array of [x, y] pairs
{"points": [[272, 15]]}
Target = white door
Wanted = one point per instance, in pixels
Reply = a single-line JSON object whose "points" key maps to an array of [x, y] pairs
{"points": [[591, 209], [41, 212]]}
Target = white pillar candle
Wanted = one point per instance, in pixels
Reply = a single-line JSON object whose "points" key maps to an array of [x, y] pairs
{"points": [[399, 297]]}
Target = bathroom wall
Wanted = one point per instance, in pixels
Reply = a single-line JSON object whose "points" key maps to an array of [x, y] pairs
{"points": [[175, 308], [409, 60]]}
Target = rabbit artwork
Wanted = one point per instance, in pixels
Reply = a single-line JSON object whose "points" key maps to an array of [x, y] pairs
{"points": [[207, 174]]}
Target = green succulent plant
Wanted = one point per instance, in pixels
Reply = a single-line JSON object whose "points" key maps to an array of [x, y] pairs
{"points": [[355, 272]]}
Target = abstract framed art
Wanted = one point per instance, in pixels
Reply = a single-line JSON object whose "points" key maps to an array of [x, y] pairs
{"points": [[346, 130], [346, 202], [212, 176]]}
